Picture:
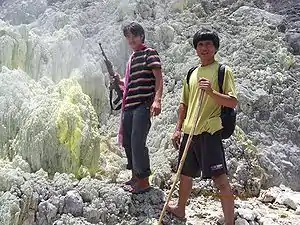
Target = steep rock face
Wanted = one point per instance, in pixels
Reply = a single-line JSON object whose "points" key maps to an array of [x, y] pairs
{"points": [[49, 65], [291, 12], [56, 51], [17, 12], [53, 127], [253, 45]]}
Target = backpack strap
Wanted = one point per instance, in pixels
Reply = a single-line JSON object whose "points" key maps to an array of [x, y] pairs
{"points": [[110, 99], [221, 74], [189, 74], [114, 104]]}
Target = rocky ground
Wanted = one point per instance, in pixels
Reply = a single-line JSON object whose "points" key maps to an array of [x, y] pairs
{"points": [[33, 198], [53, 99]]}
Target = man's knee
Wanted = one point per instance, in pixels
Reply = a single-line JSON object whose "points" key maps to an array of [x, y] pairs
{"points": [[221, 182], [185, 179]]}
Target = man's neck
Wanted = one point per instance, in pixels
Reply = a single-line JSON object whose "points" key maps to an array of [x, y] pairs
{"points": [[207, 62], [141, 47]]}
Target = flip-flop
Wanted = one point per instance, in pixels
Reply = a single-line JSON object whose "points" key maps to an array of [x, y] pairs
{"points": [[181, 218], [126, 187], [130, 182], [137, 190]]}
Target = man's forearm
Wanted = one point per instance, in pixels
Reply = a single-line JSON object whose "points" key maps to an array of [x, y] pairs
{"points": [[181, 116], [158, 84], [121, 84], [223, 100]]}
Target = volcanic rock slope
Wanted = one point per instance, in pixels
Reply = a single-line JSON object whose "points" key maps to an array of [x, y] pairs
{"points": [[53, 99]]}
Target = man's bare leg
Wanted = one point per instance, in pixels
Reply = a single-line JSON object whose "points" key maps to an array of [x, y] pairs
{"points": [[185, 188], [226, 196]]}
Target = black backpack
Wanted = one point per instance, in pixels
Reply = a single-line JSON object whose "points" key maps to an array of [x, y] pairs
{"points": [[228, 115]]}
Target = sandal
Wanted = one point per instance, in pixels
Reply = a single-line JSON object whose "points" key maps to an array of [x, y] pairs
{"points": [[137, 190], [171, 211], [130, 182]]}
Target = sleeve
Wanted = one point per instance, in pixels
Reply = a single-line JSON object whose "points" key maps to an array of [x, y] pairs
{"points": [[185, 93], [153, 60], [229, 84]]}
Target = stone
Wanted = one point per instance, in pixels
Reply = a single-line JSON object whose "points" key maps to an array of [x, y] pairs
{"points": [[91, 214], [73, 203], [55, 114], [294, 43], [270, 195], [252, 15], [46, 213], [65, 130], [247, 214], [63, 182], [289, 202], [253, 223], [9, 209], [18, 162], [289, 199], [88, 189], [241, 221], [266, 221]]}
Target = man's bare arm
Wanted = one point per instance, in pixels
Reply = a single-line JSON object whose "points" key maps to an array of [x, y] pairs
{"points": [[223, 100], [177, 133], [181, 116], [158, 84]]}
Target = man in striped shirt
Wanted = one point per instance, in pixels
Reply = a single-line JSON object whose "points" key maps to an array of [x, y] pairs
{"points": [[142, 100]]}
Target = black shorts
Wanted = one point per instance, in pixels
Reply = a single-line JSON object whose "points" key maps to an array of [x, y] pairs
{"points": [[205, 155]]}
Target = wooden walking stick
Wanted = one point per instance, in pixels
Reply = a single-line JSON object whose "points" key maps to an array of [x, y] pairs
{"points": [[187, 146]]}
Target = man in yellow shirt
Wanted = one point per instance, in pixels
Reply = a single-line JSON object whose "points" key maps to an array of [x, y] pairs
{"points": [[206, 153]]}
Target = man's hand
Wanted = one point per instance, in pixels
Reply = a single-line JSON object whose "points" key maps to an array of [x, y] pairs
{"points": [[155, 108], [205, 85], [116, 79], [176, 139]]}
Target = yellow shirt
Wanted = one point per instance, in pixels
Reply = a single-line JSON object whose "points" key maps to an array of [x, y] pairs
{"points": [[209, 120]]}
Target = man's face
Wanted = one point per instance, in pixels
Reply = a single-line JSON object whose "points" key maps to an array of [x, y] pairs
{"points": [[206, 50], [134, 41]]}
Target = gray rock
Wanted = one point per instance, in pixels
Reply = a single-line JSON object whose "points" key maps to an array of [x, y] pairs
{"points": [[278, 167], [91, 214], [289, 199], [241, 221], [88, 189], [254, 15], [294, 43], [9, 209], [73, 203], [266, 221], [63, 182], [18, 162], [247, 214], [35, 107], [270, 195], [253, 223], [46, 213], [62, 43], [289, 202], [10, 178]]}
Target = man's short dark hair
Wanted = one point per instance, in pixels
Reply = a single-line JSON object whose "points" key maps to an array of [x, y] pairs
{"points": [[135, 29], [206, 35]]}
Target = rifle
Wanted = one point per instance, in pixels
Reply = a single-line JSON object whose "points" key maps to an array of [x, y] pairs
{"points": [[115, 85]]}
